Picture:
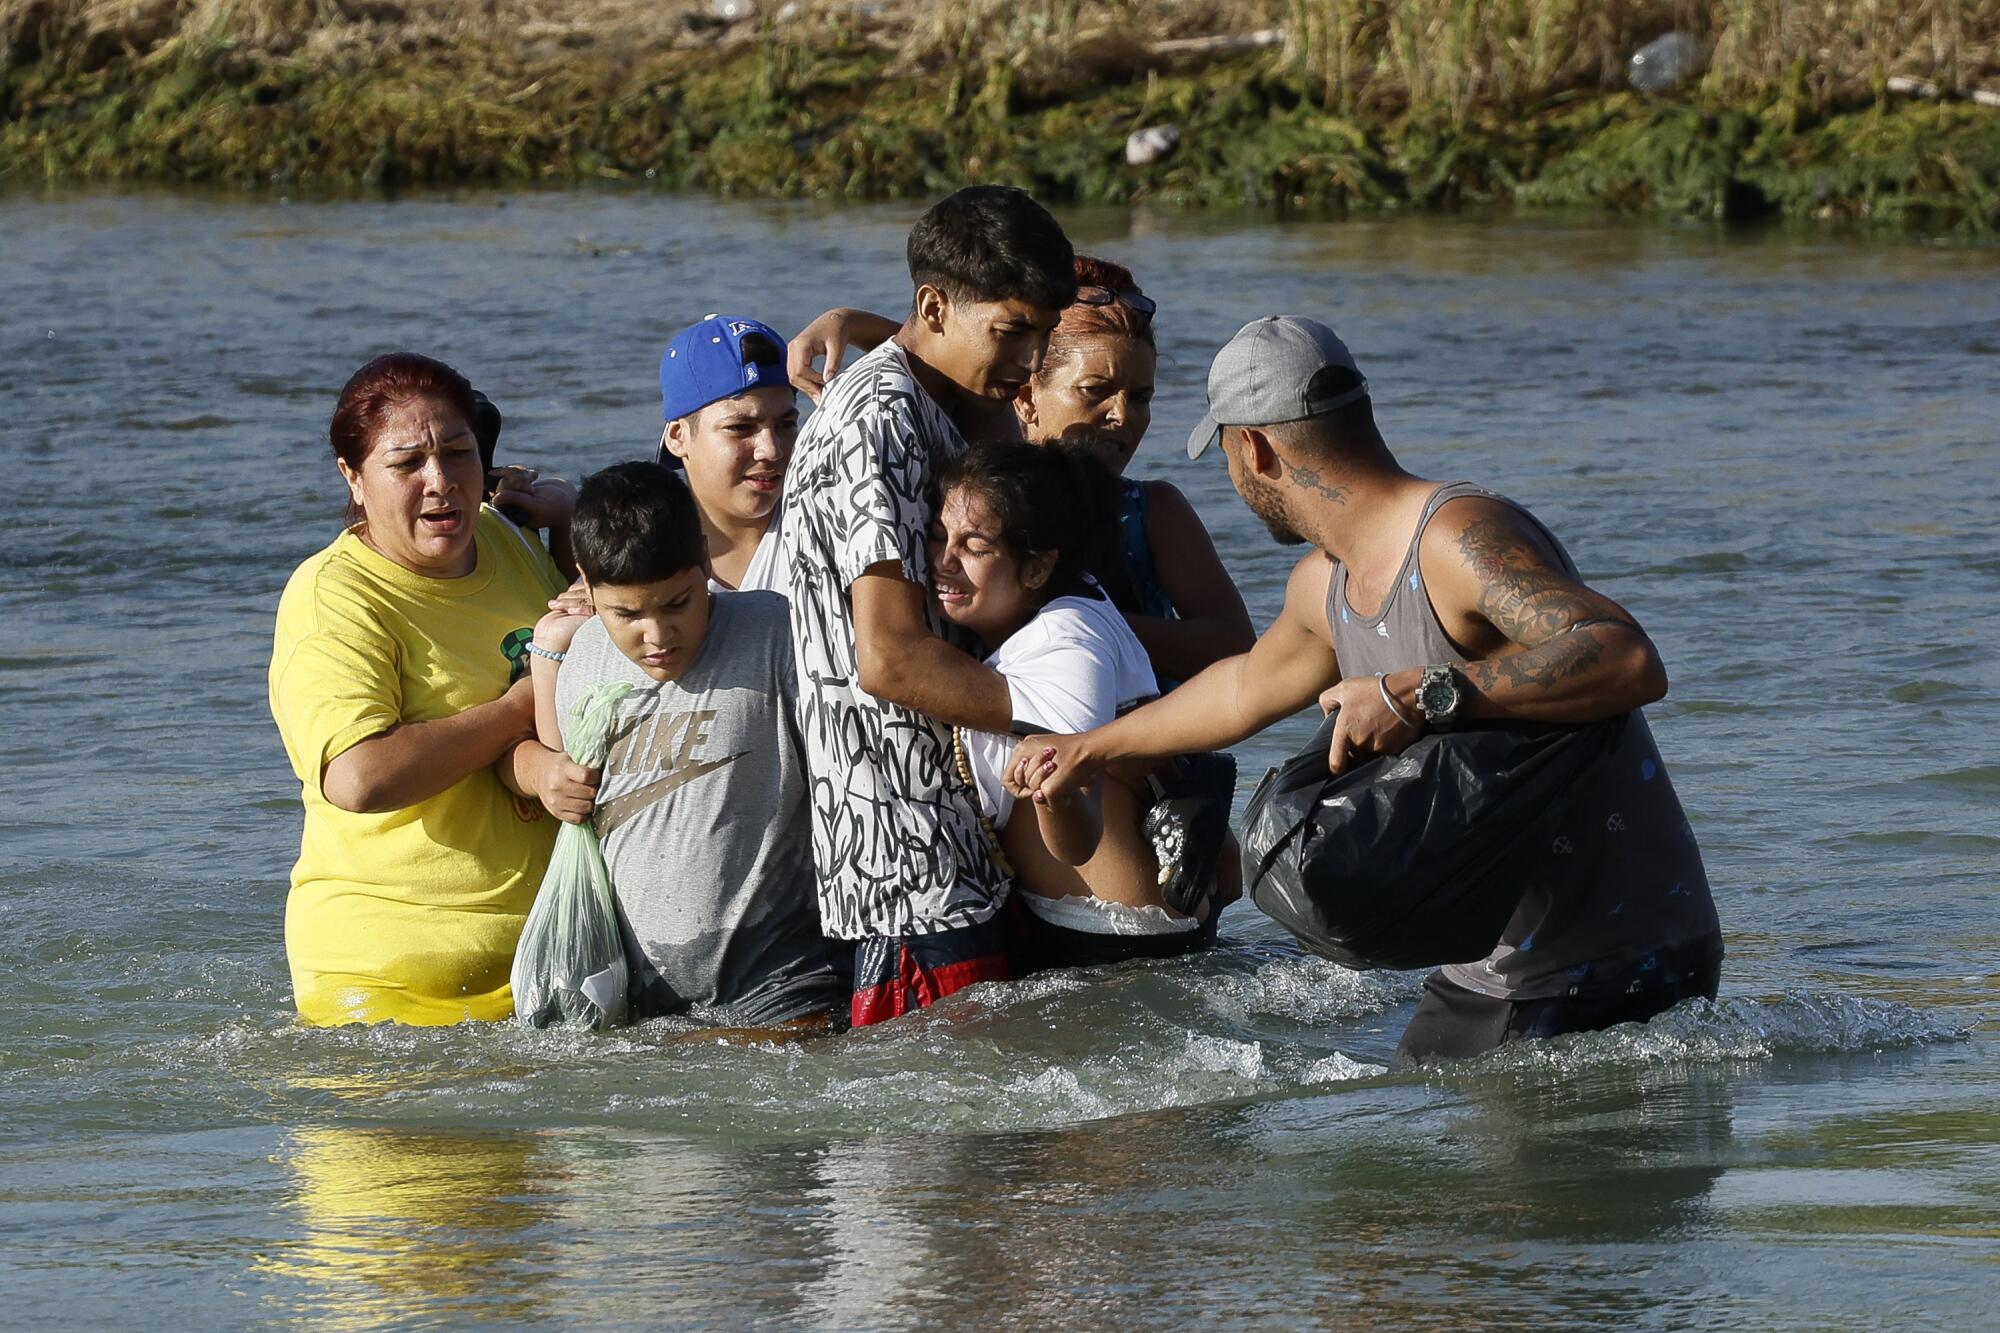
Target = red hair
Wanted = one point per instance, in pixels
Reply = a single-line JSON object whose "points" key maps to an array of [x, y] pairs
{"points": [[381, 386], [1082, 323]]}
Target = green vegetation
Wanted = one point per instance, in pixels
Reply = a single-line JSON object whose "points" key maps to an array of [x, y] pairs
{"points": [[1364, 106]]}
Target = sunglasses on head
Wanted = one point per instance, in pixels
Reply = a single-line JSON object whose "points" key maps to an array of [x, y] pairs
{"points": [[1139, 305]]}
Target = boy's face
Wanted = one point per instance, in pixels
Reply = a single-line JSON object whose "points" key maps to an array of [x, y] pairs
{"points": [[658, 625], [989, 349], [736, 451]]}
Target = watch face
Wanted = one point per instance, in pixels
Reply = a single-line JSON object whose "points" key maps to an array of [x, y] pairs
{"points": [[1437, 697]]}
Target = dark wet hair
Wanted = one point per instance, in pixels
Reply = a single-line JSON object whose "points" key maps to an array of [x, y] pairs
{"points": [[377, 389], [486, 426], [993, 243], [1045, 500], [635, 523]]}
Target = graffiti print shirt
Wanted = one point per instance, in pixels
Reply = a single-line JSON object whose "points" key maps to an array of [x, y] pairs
{"points": [[897, 844]]}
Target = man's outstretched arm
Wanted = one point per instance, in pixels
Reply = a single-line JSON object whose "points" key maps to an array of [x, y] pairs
{"points": [[898, 659], [1238, 697]]}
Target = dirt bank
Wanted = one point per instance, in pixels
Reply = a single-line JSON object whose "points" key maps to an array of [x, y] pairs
{"points": [[1300, 114]]}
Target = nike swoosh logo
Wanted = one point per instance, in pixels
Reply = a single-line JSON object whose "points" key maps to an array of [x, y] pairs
{"points": [[617, 810]]}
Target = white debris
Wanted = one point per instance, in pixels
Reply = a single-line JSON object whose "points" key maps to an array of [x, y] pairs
{"points": [[1151, 144], [1224, 45], [1664, 62], [1905, 86]]}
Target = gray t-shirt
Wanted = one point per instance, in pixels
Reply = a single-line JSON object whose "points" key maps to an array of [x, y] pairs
{"points": [[702, 811]]}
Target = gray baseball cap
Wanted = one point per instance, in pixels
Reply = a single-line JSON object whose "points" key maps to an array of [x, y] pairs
{"points": [[1264, 376]]}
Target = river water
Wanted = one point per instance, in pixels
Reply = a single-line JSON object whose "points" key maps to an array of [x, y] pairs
{"points": [[1777, 449]]}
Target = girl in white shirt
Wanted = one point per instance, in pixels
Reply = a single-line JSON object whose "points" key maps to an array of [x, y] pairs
{"points": [[1018, 527]]}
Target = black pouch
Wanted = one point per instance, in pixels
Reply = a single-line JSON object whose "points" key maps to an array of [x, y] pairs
{"points": [[1415, 859], [1187, 823]]}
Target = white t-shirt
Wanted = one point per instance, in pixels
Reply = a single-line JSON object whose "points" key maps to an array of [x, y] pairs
{"points": [[766, 570], [1075, 666]]}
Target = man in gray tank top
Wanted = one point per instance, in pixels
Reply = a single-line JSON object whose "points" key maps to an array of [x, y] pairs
{"points": [[1424, 605]]}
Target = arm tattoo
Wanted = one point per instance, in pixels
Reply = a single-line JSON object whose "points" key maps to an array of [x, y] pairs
{"points": [[1564, 656], [1520, 593], [1313, 481]]}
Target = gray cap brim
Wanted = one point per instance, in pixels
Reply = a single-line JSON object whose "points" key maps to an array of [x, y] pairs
{"points": [[1205, 433]]}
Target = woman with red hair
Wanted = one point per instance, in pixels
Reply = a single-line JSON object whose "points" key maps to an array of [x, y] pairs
{"points": [[1094, 391], [400, 687]]}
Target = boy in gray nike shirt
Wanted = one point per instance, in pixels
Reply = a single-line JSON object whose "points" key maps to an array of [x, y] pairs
{"points": [[701, 804]]}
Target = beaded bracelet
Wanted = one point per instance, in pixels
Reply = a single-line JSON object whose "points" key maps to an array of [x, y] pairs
{"points": [[540, 651], [1005, 867]]}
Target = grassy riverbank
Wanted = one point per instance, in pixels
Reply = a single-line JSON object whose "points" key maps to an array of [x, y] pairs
{"points": [[1338, 103]]}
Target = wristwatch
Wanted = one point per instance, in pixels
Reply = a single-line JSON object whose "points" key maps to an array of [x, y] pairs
{"points": [[1438, 697]]}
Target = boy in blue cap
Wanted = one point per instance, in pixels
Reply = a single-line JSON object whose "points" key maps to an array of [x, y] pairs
{"points": [[731, 419], [903, 866]]}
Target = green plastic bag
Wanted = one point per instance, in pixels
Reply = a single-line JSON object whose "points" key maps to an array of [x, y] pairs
{"points": [[570, 968]]}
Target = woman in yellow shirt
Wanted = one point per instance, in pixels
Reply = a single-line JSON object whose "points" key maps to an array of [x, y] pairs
{"points": [[399, 684]]}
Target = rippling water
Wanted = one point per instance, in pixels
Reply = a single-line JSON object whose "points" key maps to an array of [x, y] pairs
{"points": [[1778, 451]]}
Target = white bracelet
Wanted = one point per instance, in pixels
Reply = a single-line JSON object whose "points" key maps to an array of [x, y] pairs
{"points": [[540, 651], [1382, 683]]}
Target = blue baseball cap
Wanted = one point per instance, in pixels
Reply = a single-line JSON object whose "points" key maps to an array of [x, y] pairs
{"points": [[708, 362]]}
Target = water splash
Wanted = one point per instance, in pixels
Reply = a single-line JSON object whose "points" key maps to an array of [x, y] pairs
{"points": [[1712, 1031]]}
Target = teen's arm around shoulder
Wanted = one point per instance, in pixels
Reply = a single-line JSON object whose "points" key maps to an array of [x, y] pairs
{"points": [[1547, 647], [828, 337], [1285, 669], [899, 660], [1213, 622]]}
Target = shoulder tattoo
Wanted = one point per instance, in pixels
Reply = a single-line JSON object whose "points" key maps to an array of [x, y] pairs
{"points": [[1521, 593]]}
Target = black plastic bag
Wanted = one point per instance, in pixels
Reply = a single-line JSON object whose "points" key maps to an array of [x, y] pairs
{"points": [[1412, 860]]}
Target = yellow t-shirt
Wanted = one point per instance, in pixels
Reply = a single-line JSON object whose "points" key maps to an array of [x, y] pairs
{"points": [[413, 914]]}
